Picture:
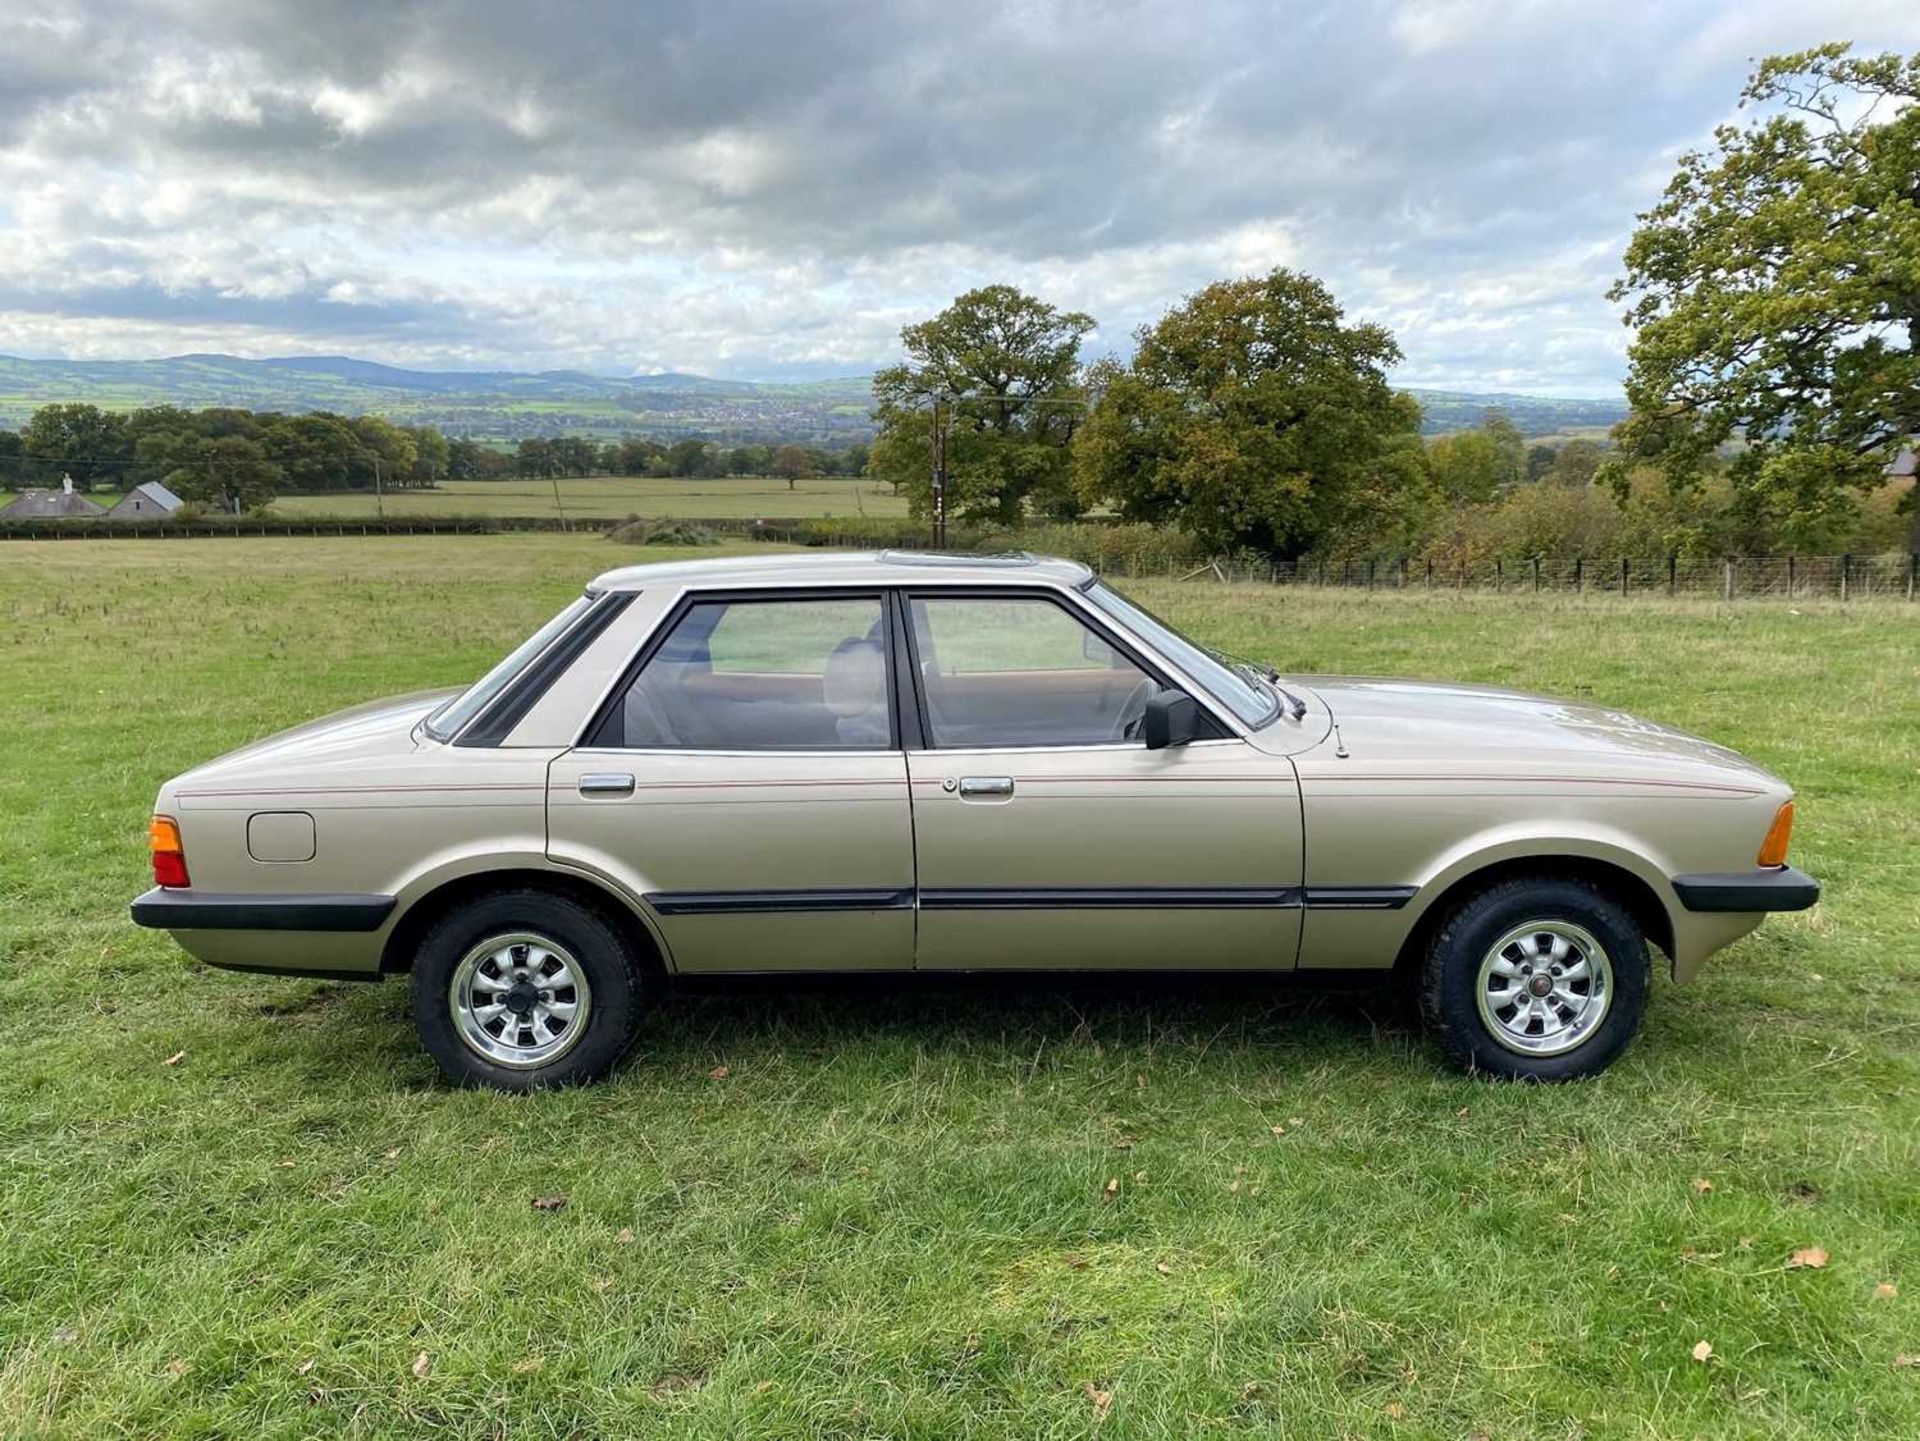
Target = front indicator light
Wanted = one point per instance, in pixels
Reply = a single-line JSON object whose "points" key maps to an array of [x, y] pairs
{"points": [[1773, 850], [169, 857]]}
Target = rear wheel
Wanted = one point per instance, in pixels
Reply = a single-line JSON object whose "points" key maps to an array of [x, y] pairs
{"points": [[1536, 978], [525, 989]]}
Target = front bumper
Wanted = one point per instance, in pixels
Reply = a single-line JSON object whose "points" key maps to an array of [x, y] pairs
{"points": [[189, 910], [1777, 888]]}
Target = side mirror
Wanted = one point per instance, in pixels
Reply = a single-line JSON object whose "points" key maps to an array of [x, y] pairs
{"points": [[1172, 719]]}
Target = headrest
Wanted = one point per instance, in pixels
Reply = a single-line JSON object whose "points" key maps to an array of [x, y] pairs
{"points": [[855, 680]]}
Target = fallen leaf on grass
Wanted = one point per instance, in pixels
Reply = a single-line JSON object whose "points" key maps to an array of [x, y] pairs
{"points": [[548, 1203], [1278, 1130], [1112, 1187], [1701, 1185], [422, 1364], [1702, 1350], [392, 1153], [1903, 1361], [178, 1366], [305, 1368], [175, 1059], [1102, 1400], [719, 1073], [1395, 1411], [528, 1366], [1163, 1268], [287, 1165], [674, 1384], [1464, 1112], [1075, 1263], [762, 1388], [625, 1236], [1807, 1258], [1885, 1291]]}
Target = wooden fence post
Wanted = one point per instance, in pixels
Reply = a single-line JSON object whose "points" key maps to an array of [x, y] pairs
{"points": [[1536, 575], [1791, 568], [1579, 573], [1846, 566], [1429, 572], [1729, 578], [1913, 572], [1369, 575], [1673, 571], [1623, 575]]}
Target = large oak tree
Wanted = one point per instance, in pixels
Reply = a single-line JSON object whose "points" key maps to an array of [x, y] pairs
{"points": [[1254, 417], [1005, 369], [1776, 294]]}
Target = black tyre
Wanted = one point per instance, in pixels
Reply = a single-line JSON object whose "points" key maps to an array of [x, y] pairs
{"points": [[526, 989], [1539, 979]]}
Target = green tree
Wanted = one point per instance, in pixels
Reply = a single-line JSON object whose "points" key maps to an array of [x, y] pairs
{"points": [[384, 448], [1006, 369], [687, 457], [1468, 465], [1775, 292], [83, 441], [223, 472], [1576, 463], [1252, 416], [317, 452], [431, 457], [794, 463]]}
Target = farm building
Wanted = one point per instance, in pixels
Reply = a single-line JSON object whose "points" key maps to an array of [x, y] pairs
{"points": [[148, 501], [40, 504]]}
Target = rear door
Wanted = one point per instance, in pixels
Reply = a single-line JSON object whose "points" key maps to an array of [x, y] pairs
{"points": [[746, 780], [1049, 837]]}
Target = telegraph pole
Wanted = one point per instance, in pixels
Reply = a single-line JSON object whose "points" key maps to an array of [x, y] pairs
{"points": [[939, 477]]}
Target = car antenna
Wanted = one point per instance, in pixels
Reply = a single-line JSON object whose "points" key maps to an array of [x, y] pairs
{"points": [[1339, 743]]}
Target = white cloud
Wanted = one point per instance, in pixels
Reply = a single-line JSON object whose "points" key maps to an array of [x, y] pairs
{"points": [[776, 186]]}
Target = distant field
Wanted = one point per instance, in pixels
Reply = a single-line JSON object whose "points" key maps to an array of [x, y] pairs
{"points": [[743, 495], [246, 1207]]}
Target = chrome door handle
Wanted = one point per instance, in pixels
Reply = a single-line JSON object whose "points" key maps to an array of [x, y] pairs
{"points": [[606, 784], [985, 788]]}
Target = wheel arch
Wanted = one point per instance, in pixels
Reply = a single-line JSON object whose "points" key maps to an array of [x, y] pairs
{"points": [[1625, 885], [406, 933]]}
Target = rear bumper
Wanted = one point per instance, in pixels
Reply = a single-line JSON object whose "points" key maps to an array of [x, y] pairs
{"points": [[189, 910], [1779, 888]]}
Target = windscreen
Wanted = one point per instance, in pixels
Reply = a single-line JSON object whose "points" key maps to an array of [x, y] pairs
{"points": [[1240, 691]]}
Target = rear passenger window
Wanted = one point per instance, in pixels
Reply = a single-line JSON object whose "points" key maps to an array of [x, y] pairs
{"points": [[763, 675]]}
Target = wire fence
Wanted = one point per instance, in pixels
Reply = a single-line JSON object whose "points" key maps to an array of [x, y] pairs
{"points": [[1784, 577]]}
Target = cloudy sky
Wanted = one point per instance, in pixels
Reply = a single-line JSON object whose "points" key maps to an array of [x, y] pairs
{"points": [[771, 188]]}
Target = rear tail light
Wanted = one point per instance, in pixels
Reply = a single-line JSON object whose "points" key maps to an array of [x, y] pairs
{"points": [[1773, 850], [169, 858]]}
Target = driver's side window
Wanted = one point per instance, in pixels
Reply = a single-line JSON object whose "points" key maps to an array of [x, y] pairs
{"points": [[1021, 670]]}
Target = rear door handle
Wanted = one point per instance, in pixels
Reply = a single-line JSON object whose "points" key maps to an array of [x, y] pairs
{"points": [[985, 788], [606, 784]]}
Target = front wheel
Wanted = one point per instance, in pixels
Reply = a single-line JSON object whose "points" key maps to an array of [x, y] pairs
{"points": [[523, 990], [1536, 978]]}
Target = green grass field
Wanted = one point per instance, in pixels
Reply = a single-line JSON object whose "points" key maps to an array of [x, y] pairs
{"points": [[601, 496], [235, 1206]]}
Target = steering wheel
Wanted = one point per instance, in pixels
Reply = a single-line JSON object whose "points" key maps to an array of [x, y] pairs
{"points": [[1133, 710]]}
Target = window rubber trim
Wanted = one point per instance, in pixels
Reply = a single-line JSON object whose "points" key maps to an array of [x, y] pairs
{"points": [[495, 723]]}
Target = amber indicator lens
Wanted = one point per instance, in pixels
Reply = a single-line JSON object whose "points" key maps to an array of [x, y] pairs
{"points": [[1773, 850]]}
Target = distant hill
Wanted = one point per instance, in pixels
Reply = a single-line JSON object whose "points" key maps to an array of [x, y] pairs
{"points": [[508, 405]]}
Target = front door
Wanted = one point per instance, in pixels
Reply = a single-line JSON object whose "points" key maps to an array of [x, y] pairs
{"points": [[1050, 837], [747, 782]]}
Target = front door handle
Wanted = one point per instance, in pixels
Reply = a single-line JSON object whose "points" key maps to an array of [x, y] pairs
{"points": [[607, 784], [985, 788]]}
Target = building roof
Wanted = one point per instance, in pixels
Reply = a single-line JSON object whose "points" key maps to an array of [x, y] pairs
{"points": [[891, 567], [36, 504], [1904, 464], [154, 493]]}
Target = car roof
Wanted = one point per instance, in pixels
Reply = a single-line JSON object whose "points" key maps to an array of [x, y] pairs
{"points": [[865, 567]]}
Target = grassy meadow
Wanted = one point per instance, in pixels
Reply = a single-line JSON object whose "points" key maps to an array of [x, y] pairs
{"points": [[239, 1206]]}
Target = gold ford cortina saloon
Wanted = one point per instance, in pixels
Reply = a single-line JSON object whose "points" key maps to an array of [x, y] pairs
{"points": [[927, 763]]}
